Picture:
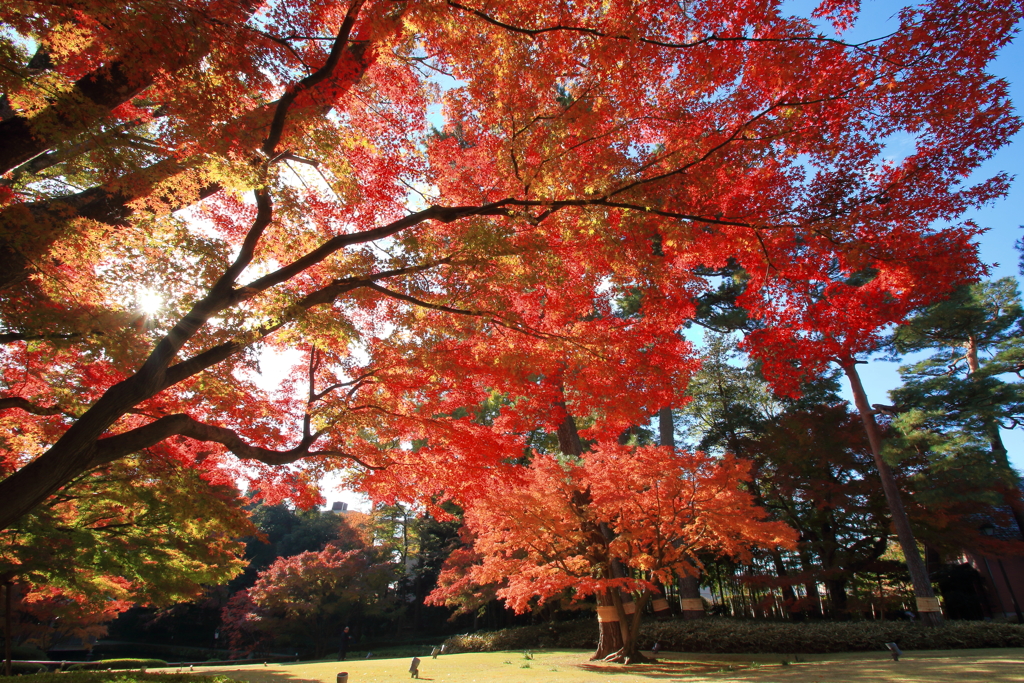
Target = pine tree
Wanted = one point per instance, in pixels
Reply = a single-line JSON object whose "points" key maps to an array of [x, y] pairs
{"points": [[968, 389]]}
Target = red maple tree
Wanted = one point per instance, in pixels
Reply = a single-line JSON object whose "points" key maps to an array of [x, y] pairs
{"points": [[622, 518], [587, 152]]}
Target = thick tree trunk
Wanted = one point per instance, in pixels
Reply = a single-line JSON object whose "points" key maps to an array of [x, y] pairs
{"points": [[666, 427], [662, 610], [689, 598], [110, 85], [609, 638], [927, 604], [610, 617]]}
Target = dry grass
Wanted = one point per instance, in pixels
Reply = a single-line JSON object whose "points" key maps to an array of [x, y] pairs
{"points": [[572, 666]]}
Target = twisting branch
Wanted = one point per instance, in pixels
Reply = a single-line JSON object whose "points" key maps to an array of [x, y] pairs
{"points": [[713, 38], [114, 447]]}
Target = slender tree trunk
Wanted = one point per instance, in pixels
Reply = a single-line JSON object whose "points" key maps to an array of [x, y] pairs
{"points": [[927, 604], [689, 586], [811, 585], [788, 594], [8, 585], [1011, 483]]}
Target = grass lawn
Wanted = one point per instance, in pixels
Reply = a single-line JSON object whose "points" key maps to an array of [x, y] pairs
{"points": [[572, 666]]}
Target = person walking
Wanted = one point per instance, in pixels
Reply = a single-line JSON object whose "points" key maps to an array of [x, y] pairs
{"points": [[343, 646]]}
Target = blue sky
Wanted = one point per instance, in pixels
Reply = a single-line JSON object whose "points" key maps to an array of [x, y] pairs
{"points": [[1002, 219]]}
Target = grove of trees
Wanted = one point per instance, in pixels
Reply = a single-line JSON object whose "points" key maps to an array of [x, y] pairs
{"points": [[476, 230]]}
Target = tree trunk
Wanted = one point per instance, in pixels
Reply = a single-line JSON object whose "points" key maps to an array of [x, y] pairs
{"points": [[1011, 483], [811, 585], [609, 639], [689, 586], [8, 585], [689, 598], [666, 427], [788, 594], [927, 604], [837, 595]]}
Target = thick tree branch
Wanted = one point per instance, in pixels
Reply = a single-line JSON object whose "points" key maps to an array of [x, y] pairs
{"points": [[28, 406], [115, 447]]}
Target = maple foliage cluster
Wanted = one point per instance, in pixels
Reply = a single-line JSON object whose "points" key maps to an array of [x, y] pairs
{"points": [[304, 595], [147, 532], [555, 530], [277, 174]]}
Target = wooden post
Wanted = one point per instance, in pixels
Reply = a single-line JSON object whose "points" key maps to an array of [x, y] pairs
{"points": [[927, 604]]}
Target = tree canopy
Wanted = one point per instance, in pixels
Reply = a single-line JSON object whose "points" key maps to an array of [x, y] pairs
{"points": [[276, 175]]}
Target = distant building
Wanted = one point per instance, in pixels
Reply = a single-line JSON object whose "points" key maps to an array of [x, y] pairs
{"points": [[1003, 576], [339, 508]]}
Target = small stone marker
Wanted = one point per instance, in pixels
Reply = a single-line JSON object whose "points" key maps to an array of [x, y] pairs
{"points": [[343, 677], [414, 667], [895, 651]]}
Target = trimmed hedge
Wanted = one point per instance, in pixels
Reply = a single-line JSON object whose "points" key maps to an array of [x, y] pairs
{"points": [[30, 652], [21, 668], [722, 635], [117, 664], [117, 677]]}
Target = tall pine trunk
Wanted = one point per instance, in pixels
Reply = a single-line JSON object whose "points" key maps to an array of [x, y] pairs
{"points": [[689, 585], [927, 604]]}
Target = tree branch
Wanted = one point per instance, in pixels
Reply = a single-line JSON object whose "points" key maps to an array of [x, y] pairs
{"points": [[28, 406], [114, 447]]}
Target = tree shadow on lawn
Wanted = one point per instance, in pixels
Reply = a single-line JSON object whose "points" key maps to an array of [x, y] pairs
{"points": [[254, 675], [669, 668]]}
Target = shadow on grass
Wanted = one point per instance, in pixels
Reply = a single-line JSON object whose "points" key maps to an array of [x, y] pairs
{"points": [[264, 675], [664, 668]]}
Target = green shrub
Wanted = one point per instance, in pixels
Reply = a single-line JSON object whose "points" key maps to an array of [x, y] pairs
{"points": [[105, 664], [721, 635]]}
